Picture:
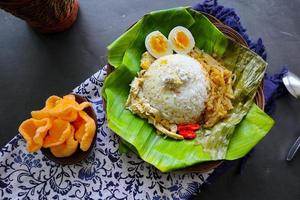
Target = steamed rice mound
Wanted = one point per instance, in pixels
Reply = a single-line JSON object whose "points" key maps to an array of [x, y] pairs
{"points": [[176, 85], [173, 91]]}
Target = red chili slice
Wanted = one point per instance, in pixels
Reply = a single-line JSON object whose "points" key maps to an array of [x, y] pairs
{"points": [[193, 127], [188, 134]]}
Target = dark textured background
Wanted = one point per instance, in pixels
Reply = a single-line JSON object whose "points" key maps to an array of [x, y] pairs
{"points": [[34, 66]]}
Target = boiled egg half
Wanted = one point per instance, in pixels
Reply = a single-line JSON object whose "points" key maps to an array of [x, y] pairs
{"points": [[157, 44], [181, 40]]}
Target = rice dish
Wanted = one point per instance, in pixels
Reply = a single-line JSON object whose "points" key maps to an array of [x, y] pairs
{"points": [[180, 93], [177, 86]]}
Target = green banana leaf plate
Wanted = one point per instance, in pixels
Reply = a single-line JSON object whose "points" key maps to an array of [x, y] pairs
{"points": [[229, 139]]}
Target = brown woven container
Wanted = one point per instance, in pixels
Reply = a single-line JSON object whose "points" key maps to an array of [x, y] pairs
{"points": [[259, 98], [46, 16]]}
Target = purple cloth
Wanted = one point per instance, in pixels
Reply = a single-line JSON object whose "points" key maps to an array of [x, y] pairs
{"points": [[273, 85], [229, 17], [274, 89]]}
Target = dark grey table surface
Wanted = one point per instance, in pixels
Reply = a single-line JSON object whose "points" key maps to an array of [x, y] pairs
{"points": [[34, 66]]}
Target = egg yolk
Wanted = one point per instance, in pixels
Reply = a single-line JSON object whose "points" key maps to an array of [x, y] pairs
{"points": [[181, 40], [158, 44]]}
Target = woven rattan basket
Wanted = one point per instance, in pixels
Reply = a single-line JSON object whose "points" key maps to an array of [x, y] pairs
{"points": [[259, 98]]}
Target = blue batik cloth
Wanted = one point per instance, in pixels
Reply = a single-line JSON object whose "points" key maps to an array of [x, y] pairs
{"points": [[107, 174]]}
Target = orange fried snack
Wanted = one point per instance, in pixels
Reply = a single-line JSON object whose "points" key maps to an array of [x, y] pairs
{"points": [[59, 132], [65, 149], [50, 104], [65, 108], [61, 125], [79, 125], [85, 131], [34, 132]]}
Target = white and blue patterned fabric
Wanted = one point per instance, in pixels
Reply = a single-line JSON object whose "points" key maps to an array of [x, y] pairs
{"points": [[105, 174]]}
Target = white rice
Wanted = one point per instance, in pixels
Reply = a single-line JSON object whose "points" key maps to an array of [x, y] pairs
{"points": [[177, 86]]}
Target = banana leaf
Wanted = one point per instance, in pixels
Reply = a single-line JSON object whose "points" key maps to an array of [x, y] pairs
{"points": [[229, 139]]}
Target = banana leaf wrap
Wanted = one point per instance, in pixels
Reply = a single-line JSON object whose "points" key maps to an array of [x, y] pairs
{"points": [[230, 138]]}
